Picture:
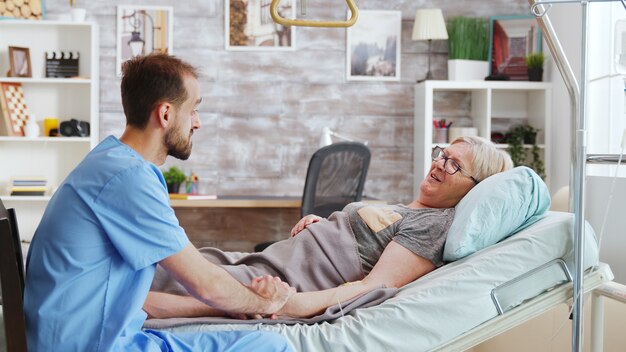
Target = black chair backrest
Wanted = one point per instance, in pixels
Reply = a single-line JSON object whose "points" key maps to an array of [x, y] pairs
{"points": [[12, 281], [335, 178]]}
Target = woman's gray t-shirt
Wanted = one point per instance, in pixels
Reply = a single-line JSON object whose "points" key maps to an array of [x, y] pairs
{"points": [[422, 231]]}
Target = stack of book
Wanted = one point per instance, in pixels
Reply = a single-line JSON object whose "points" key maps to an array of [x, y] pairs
{"points": [[28, 186]]}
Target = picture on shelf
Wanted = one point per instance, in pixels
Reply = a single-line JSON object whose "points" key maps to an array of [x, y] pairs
{"points": [[512, 39], [19, 61], [373, 46], [29, 10], [13, 110], [142, 30], [249, 26]]}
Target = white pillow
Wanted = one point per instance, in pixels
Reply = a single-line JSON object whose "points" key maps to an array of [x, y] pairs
{"points": [[494, 209]]}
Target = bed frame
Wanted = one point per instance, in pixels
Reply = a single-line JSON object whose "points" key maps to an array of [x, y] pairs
{"points": [[595, 281]]}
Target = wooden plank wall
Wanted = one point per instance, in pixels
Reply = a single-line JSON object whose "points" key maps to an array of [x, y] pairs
{"points": [[263, 112]]}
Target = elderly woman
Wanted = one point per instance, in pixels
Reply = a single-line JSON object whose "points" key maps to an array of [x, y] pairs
{"points": [[358, 249]]}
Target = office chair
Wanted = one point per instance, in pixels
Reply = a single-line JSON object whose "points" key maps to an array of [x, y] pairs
{"points": [[335, 178], [12, 281]]}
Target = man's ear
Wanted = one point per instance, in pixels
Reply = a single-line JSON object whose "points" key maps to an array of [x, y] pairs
{"points": [[164, 113]]}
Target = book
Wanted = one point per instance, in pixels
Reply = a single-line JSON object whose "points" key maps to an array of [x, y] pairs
{"points": [[192, 196]]}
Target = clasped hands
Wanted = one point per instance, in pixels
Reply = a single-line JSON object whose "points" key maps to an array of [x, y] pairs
{"points": [[275, 291]]}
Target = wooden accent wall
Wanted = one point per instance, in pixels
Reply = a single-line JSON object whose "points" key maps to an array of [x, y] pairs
{"points": [[263, 112]]}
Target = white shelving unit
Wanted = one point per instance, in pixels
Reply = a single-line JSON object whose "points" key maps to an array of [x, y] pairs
{"points": [[489, 106], [61, 98]]}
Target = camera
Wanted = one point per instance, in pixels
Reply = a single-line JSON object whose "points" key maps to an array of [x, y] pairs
{"points": [[74, 128]]}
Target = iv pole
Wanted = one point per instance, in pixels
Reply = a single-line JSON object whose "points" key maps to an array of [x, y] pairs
{"points": [[578, 97]]}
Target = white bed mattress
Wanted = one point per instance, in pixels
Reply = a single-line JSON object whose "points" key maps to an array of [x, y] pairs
{"points": [[441, 305]]}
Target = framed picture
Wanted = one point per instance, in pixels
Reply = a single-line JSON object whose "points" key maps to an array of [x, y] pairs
{"points": [[19, 61], [512, 39], [249, 26], [373, 46], [29, 10], [142, 30]]}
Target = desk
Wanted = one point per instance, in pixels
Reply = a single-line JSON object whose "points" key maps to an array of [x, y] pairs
{"points": [[238, 223], [240, 202]]}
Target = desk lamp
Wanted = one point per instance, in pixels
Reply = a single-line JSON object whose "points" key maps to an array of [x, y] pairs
{"points": [[429, 25], [326, 139]]}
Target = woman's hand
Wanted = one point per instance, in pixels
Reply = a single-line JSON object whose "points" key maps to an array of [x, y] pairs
{"points": [[304, 222]]}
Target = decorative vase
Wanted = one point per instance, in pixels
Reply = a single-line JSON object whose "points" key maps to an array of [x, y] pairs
{"points": [[31, 129], [78, 14], [467, 70], [535, 74]]}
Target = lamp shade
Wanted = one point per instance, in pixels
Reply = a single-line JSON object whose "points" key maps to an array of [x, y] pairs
{"points": [[429, 24]]}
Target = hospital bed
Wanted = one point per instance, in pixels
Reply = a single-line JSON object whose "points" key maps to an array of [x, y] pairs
{"points": [[458, 305]]}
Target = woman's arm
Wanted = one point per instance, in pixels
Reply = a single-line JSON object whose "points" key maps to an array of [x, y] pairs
{"points": [[396, 267]]}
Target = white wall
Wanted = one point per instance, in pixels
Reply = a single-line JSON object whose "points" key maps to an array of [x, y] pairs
{"points": [[566, 19]]}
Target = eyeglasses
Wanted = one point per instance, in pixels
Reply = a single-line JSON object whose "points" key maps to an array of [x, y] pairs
{"points": [[450, 166]]}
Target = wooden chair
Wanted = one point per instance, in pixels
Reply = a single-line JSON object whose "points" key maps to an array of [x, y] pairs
{"points": [[12, 281]]}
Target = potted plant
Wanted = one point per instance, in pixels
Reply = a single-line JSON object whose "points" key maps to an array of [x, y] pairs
{"points": [[534, 62], [468, 48], [516, 138], [174, 177]]}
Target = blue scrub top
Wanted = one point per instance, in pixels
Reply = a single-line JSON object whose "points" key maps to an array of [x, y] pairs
{"points": [[93, 256]]}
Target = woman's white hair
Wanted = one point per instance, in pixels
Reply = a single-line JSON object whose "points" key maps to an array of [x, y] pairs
{"points": [[487, 159]]}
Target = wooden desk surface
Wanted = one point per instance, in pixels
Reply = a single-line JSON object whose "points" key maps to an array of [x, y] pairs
{"points": [[247, 202]]}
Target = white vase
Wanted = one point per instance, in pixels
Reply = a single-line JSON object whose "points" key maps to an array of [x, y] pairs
{"points": [[78, 14], [31, 129], [467, 70]]}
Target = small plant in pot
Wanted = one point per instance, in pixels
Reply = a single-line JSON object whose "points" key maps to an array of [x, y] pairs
{"points": [[534, 62], [174, 177], [516, 138]]}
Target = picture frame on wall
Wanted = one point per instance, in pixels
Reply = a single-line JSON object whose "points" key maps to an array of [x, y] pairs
{"points": [[512, 38], [373, 46], [19, 62], [142, 30], [248, 26]]}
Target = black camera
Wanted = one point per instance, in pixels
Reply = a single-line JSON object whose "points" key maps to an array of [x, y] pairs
{"points": [[74, 128]]}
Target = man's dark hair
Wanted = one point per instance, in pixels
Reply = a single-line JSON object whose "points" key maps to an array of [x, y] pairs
{"points": [[150, 80]]}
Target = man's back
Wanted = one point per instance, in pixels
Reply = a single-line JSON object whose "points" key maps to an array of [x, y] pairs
{"points": [[92, 258]]}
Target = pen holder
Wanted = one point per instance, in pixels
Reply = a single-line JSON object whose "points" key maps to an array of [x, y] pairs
{"points": [[440, 135]]}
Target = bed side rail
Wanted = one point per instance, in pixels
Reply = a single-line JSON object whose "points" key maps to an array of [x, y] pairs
{"points": [[524, 312]]}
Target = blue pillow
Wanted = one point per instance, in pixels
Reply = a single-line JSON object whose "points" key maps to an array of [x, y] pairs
{"points": [[494, 209]]}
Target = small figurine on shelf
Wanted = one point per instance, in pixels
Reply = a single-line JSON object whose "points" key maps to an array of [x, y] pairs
{"points": [[192, 183]]}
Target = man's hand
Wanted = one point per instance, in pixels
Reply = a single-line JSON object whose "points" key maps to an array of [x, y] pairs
{"points": [[304, 222], [274, 290]]}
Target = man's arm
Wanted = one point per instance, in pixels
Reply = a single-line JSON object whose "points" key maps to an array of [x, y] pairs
{"points": [[213, 286]]}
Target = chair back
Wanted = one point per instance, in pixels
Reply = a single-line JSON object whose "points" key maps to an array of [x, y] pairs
{"points": [[12, 281], [335, 178]]}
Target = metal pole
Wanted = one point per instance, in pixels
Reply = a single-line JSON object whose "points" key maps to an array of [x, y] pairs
{"points": [[579, 193]]}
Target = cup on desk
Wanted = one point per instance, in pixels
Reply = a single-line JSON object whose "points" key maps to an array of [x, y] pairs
{"points": [[50, 123], [440, 135]]}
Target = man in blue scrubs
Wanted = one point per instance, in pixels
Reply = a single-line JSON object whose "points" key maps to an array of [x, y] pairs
{"points": [[93, 256]]}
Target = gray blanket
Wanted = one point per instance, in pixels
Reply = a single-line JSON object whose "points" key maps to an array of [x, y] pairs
{"points": [[322, 256]]}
